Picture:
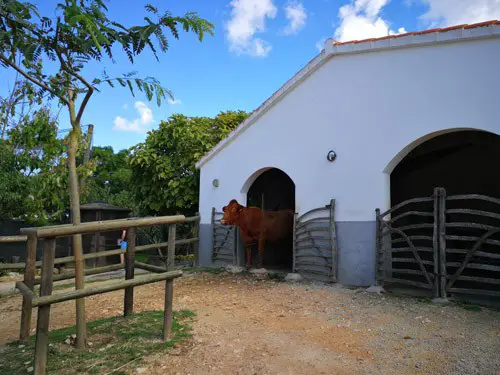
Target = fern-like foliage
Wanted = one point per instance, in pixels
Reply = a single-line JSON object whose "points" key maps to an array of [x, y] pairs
{"points": [[80, 33]]}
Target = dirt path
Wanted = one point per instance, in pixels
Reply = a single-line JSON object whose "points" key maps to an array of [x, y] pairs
{"points": [[246, 326]]}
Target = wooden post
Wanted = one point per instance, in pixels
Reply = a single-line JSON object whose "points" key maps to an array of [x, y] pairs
{"points": [[169, 284], [435, 244], [237, 246], [212, 222], [196, 245], [333, 238], [42, 325], [442, 243], [294, 244], [81, 325], [128, 308], [378, 248], [29, 281]]}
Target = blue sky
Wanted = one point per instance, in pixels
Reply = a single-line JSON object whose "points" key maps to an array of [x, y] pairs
{"points": [[258, 45]]}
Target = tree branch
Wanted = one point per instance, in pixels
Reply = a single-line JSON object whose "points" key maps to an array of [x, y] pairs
{"points": [[65, 67], [34, 80], [84, 104]]}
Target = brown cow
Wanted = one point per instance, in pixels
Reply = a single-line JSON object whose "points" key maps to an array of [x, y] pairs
{"points": [[257, 226]]}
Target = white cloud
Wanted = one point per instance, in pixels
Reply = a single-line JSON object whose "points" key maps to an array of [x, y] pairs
{"points": [[360, 19], [296, 15], [138, 125], [456, 12], [125, 106], [320, 44], [174, 102], [248, 18]]}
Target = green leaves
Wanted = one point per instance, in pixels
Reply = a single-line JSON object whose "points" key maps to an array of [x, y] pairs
{"points": [[164, 178], [81, 33]]}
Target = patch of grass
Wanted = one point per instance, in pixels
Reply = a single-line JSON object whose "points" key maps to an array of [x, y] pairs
{"points": [[276, 276], [142, 257], [197, 269], [468, 306], [115, 342]]}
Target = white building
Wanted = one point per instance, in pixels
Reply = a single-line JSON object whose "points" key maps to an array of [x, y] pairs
{"points": [[372, 102]]}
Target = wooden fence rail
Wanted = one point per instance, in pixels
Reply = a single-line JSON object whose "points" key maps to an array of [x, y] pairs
{"points": [[455, 250], [45, 299]]}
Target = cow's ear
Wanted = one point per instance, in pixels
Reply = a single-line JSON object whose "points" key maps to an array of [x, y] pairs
{"points": [[240, 208], [224, 209]]}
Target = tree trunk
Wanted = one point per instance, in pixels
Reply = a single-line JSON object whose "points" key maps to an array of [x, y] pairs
{"points": [[77, 239]]}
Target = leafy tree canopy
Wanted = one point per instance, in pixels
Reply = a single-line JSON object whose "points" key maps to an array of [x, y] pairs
{"points": [[164, 177], [110, 181]]}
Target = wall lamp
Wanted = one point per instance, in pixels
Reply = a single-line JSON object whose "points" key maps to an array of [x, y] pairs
{"points": [[331, 156]]}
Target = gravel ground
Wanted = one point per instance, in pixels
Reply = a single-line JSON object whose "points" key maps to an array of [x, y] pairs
{"points": [[248, 326]]}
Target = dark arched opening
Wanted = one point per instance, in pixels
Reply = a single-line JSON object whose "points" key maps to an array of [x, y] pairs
{"points": [[274, 191], [463, 163]]}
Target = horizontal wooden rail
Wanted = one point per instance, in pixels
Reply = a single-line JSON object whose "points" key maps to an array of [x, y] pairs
{"points": [[100, 254], [150, 267], [11, 239], [108, 287], [25, 291], [101, 226], [87, 272]]}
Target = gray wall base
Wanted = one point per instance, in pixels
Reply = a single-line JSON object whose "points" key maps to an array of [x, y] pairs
{"points": [[204, 257], [356, 246]]}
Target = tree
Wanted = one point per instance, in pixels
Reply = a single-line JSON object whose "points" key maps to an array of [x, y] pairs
{"points": [[82, 33], [110, 181], [13, 185], [164, 177]]}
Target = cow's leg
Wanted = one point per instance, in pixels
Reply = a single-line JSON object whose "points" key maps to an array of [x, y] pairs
{"points": [[261, 251]]}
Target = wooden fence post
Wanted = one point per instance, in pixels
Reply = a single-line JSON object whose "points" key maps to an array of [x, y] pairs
{"points": [[169, 284], [435, 244], [81, 324], [378, 249], [294, 244], [196, 245], [128, 308], [29, 281], [333, 238], [42, 325], [442, 243]]}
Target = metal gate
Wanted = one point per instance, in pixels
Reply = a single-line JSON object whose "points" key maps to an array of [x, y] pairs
{"points": [[315, 244], [446, 244], [224, 240]]}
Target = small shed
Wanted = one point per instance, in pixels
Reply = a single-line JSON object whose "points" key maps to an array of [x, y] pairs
{"points": [[99, 211]]}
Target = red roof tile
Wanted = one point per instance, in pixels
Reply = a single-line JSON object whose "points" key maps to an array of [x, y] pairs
{"points": [[465, 26]]}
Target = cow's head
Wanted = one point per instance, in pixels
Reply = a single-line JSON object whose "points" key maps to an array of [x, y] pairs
{"points": [[232, 213]]}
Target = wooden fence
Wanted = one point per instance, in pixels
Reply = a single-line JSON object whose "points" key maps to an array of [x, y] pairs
{"points": [[46, 299], [445, 244]]}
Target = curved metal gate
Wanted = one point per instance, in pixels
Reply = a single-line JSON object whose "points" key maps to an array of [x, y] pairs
{"points": [[446, 244], [224, 241], [315, 244]]}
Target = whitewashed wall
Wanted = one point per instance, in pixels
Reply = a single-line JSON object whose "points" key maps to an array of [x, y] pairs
{"points": [[367, 107]]}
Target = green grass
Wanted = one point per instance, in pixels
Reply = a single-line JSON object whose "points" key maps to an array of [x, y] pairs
{"points": [[197, 269], [141, 258], [115, 342], [468, 306]]}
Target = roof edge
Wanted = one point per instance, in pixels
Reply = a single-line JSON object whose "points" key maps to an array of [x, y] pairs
{"points": [[302, 74], [332, 48]]}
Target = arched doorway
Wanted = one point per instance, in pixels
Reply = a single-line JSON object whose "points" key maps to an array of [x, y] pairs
{"points": [[445, 240], [461, 162], [271, 189]]}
